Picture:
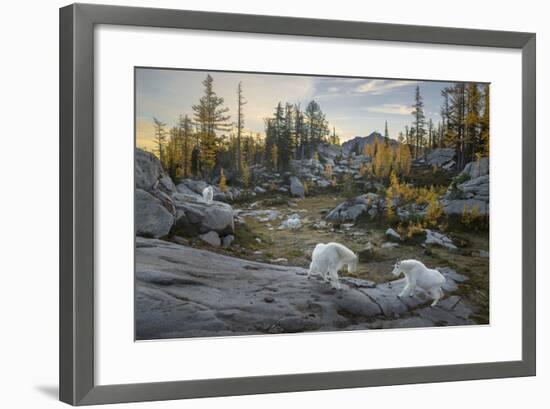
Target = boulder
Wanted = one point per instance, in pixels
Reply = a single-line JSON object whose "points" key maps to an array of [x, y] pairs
{"points": [[194, 216], [152, 218], [196, 186], [166, 185], [476, 188], [440, 157], [456, 207], [392, 235], [211, 238], [183, 189], [227, 241], [148, 170], [329, 153], [296, 187], [439, 239], [293, 222], [471, 193], [477, 168], [352, 209]]}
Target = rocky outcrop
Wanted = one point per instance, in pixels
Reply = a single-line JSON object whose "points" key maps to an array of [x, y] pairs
{"points": [[190, 186], [392, 235], [439, 239], [477, 168], [148, 170], [306, 168], [162, 206], [296, 187], [470, 190], [211, 238], [351, 210], [477, 188], [154, 208], [441, 157], [329, 154], [149, 175], [187, 292], [459, 206], [152, 218], [194, 216]]}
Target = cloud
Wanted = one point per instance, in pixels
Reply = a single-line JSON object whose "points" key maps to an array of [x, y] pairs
{"points": [[379, 87], [391, 109]]}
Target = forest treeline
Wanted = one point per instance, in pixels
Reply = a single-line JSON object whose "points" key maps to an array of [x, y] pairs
{"points": [[206, 139]]}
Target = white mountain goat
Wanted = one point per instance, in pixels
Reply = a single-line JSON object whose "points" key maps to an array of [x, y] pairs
{"points": [[327, 259], [208, 194], [418, 275]]}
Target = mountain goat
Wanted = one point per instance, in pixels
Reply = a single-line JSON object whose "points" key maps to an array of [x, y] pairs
{"points": [[418, 275], [208, 194], [327, 259]]}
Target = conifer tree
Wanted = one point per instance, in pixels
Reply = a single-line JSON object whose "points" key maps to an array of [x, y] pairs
{"points": [[419, 121], [210, 116], [430, 134], [241, 101], [160, 138], [316, 126], [275, 157], [186, 144], [172, 152]]}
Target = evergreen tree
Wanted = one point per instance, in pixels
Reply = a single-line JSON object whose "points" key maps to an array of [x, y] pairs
{"points": [[241, 101], [186, 144], [431, 138], [210, 116], [285, 143], [300, 133], [316, 126], [473, 142], [419, 121], [160, 138], [172, 152], [275, 157]]}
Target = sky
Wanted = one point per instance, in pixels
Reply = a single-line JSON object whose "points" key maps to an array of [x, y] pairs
{"points": [[354, 106]]}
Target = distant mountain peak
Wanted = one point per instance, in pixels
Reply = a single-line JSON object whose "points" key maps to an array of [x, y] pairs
{"points": [[357, 144]]}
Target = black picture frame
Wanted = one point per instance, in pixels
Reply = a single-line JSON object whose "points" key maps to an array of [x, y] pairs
{"points": [[77, 21]]}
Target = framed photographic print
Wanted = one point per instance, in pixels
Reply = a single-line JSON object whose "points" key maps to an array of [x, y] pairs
{"points": [[346, 187]]}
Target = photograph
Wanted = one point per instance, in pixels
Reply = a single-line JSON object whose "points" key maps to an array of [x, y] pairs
{"points": [[278, 203]]}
